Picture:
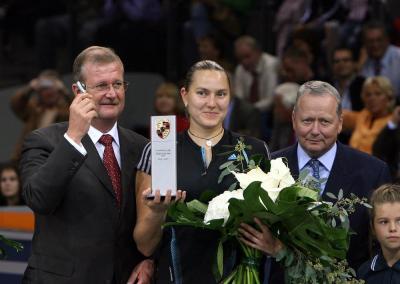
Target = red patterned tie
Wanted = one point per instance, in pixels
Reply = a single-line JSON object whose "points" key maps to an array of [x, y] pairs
{"points": [[111, 164]]}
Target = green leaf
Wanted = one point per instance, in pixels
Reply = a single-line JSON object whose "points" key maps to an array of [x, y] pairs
{"points": [[331, 195], [220, 259], [281, 254], [340, 194], [11, 243], [224, 173], [342, 217], [197, 206], [310, 273], [207, 195], [232, 186], [226, 164], [303, 175], [367, 205]]}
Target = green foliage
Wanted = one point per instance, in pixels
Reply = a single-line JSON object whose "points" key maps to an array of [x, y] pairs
{"points": [[241, 162], [315, 246], [15, 245]]}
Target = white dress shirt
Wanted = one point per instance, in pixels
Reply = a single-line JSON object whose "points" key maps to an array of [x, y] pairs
{"points": [[326, 162], [95, 135], [267, 70]]}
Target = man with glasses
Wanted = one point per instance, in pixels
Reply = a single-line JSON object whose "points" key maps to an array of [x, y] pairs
{"points": [[347, 82], [79, 179]]}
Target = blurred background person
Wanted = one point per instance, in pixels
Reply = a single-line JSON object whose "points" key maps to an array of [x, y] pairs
{"points": [[168, 102], [256, 77], [243, 118], [348, 83], [383, 58], [284, 101], [10, 186], [378, 97], [345, 78], [387, 144], [296, 66], [211, 47], [43, 101]]}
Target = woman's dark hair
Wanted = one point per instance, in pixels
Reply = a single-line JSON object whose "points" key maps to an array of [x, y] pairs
{"points": [[203, 65]]}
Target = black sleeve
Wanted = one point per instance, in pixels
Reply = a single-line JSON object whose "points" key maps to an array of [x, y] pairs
{"points": [[386, 147], [47, 167]]}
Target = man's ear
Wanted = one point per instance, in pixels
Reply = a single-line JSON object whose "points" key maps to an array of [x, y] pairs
{"points": [[293, 118]]}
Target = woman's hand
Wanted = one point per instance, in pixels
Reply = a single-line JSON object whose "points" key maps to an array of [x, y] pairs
{"points": [[157, 204], [262, 240]]}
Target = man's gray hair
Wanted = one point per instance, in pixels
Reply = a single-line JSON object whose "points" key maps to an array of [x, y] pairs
{"points": [[319, 88]]}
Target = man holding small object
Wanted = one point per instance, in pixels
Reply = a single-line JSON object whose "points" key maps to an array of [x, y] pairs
{"points": [[79, 178]]}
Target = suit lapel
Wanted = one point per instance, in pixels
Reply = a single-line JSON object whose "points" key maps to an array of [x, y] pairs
{"points": [[339, 175], [293, 161], [127, 153], [94, 163]]}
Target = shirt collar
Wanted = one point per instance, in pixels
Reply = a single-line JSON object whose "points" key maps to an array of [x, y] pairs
{"points": [[326, 159], [95, 134], [378, 263]]}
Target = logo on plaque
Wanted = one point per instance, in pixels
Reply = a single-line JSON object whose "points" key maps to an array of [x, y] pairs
{"points": [[163, 128]]}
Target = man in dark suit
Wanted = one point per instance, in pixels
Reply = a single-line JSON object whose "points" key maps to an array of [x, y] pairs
{"points": [[243, 117], [347, 82], [387, 145], [317, 122], [79, 179]]}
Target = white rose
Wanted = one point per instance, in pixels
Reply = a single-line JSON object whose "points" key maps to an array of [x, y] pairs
{"points": [[280, 172], [245, 179], [273, 182], [218, 206]]}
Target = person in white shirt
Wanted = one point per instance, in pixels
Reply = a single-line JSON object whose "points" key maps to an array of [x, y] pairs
{"points": [[255, 65]]}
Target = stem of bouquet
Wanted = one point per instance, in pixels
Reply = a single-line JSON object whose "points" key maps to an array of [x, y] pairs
{"points": [[247, 270]]}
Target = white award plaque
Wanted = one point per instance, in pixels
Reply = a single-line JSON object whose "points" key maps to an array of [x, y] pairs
{"points": [[163, 154]]}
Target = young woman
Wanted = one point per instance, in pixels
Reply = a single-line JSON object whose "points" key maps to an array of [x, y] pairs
{"points": [[167, 102], [10, 187], [185, 254]]}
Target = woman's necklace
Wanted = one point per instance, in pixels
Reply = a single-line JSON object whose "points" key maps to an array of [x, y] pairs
{"points": [[209, 142]]}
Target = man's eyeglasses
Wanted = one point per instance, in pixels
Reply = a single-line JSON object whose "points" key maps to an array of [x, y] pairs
{"points": [[103, 87]]}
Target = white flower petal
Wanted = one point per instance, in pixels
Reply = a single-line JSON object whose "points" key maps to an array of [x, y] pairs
{"points": [[218, 206]]}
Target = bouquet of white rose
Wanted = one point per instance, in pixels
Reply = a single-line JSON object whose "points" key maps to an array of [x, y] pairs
{"points": [[315, 243]]}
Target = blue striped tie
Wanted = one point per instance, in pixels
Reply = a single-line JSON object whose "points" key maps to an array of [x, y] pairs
{"points": [[314, 164]]}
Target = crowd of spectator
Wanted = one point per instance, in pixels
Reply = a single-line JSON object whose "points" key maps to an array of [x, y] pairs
{"points": [[351, 44]]}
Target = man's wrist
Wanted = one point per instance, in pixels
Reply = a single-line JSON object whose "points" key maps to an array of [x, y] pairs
{"points": [[77, 146]]}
